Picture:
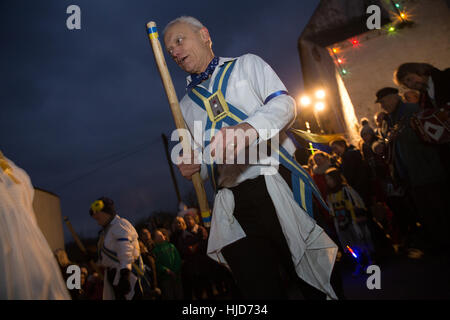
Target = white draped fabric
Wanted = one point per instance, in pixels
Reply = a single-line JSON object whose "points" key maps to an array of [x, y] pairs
{"points": [[28, 268], [313, 252]]}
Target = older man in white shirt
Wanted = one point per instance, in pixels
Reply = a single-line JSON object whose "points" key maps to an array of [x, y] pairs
{"points": [[257, 224]]}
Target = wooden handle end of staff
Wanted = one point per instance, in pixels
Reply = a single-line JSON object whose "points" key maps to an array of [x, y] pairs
{"points": [[82, 247], [176, 112], [75, 236]]}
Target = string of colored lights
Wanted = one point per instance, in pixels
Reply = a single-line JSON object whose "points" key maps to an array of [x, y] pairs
{"points": [[339, 61], [402, 16]]}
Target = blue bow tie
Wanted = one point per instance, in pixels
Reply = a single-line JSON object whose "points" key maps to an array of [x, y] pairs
{"points": [[197, 78]]}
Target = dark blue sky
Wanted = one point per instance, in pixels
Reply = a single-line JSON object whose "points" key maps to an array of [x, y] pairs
{"points": [[75, 101]]}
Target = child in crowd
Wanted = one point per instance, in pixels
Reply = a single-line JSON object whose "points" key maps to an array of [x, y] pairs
{"points": [[349, 214], [168, 267]]}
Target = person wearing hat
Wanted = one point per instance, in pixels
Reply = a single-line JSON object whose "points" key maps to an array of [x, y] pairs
{"points": [[118, 252], [417, 167]]}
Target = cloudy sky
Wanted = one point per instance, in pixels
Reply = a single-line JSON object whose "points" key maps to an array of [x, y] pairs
{"points": [[82, 111]]}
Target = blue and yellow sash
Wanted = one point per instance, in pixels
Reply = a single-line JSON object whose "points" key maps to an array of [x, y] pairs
{"points": [[302, 184]]}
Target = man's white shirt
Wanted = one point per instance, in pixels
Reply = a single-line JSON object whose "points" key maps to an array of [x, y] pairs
{"points": [[250, 83], [122, 239]]}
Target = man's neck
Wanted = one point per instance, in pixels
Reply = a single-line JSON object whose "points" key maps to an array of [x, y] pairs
{"points": [[207, 62], [108, 222]]}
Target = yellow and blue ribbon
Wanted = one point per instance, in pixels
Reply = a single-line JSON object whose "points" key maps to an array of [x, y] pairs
{"points": [[152, 33]]}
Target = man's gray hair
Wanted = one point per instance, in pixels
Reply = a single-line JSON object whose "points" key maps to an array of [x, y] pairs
{"points": [[197, 25]]}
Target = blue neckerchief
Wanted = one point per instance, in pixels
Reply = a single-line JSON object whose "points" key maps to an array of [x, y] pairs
{"points": [[197, 78]]}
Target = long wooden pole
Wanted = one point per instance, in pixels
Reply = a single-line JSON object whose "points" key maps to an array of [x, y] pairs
{"points": [[172, 174], [177, 116], [82, 247]]}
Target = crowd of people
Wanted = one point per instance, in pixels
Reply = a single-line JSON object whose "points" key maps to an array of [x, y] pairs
{"points": [[175, 265], [391, 189], [387, 193]]}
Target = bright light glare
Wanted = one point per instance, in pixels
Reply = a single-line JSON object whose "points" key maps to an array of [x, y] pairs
{"points": [[305, 101], [319, 106], [320, 94]]}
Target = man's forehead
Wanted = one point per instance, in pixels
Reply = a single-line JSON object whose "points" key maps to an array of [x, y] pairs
{"points": [[177, 28]]}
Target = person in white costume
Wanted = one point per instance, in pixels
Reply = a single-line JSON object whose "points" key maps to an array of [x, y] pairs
{"points": [[257, 225], [28, 268], [118, 253]]}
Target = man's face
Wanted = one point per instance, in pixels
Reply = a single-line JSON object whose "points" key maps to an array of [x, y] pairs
{"points": [[415, 82], [189, 48], [389, 103], [101, 217]]}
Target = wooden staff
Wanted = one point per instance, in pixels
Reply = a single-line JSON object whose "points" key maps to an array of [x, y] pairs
{"points": [[172, 174], [177, 116], [82, 247]]}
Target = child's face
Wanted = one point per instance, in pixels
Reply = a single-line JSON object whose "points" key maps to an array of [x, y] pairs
{"points": [[180, 224], [159, 237], [146, 235], [330, 182]]}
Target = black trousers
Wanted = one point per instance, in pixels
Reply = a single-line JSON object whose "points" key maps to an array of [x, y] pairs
{"points": [[257, 259], [138, 294]]}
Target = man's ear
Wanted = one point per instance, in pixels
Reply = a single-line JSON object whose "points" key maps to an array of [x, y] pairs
{"points": [[204, 34]]}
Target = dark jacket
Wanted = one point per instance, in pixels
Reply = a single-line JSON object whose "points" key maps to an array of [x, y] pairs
{"points": [[415, 162], [441, 81]]}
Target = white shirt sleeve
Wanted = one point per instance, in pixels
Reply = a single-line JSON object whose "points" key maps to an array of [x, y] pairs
{"points": [[125, 245], [280, 111]]}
